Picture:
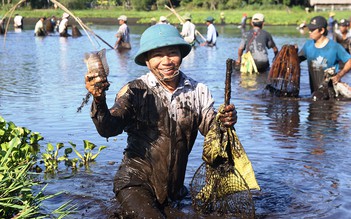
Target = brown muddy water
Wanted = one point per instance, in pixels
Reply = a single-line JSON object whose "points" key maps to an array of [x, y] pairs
{"points": [[300, 149]]}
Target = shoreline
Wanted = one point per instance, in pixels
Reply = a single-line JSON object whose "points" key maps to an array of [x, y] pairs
{"points": [[101, 21], [114, 21]]}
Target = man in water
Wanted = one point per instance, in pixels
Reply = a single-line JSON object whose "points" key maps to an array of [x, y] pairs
{"points": [[39, 29], [162, 113], [212, 34], [321, 54], [123, 38], [188, 30], [257, 41], [343, 35], [18, 21], [63, 26]]}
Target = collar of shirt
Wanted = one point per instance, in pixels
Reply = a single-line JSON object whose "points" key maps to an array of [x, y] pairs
{"points": [[152, 81]]}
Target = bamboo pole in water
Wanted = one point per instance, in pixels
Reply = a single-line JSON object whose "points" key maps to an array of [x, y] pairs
{"points": [[11, 13], [79, 21], [182, 21]]}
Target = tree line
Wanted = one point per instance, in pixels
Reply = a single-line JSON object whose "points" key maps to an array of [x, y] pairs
{"points": [[149, 5]]}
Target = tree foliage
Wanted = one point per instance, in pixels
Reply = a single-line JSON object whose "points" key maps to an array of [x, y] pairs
{"points": [[147, 5], [142, 5]]}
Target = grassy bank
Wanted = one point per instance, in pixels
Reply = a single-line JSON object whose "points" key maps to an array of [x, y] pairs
{"points": [[291, 16]]}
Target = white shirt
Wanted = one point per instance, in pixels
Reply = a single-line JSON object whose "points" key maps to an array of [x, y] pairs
{"points": [[211, 34], [188, 32], [39, 26], [18, 21], [63, 25]]}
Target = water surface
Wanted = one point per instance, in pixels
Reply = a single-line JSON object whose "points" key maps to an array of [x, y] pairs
{"points": [[299, 148]]}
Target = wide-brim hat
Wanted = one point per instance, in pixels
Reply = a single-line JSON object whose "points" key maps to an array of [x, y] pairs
{"points": [[317, 23], [158, 36]]}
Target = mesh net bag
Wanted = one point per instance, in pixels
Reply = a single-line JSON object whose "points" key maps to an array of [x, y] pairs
{"points": [[222, 184], [222, 191]]}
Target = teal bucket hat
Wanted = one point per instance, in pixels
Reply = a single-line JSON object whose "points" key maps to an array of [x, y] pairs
{"points": [[157, 36], [209, 19]]}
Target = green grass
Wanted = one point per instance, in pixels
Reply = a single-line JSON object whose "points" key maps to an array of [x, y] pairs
{"points": [[278, 16]]}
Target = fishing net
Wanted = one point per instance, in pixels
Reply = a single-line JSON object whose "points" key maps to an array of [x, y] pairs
{"points": [[223, 191], [284, 75], [222, 184]]}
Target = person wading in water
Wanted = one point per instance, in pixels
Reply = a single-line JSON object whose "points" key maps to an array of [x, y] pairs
{"points": [[162, 113], [322, 53], [63, 26], [257, 41], [123, 38]]}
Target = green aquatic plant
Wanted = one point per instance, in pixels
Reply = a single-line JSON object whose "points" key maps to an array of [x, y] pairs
{"points": [[52, 159], [21, 193], [88, 152], [27, 142], [18, 197]]}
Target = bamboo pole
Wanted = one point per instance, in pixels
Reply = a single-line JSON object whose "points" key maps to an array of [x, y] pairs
{"points": [[182, 21], [11, 13], [80, 22]]}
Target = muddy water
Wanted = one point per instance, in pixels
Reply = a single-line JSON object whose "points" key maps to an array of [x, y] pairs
{"points": [[299, 149]]}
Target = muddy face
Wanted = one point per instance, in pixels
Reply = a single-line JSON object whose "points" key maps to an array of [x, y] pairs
{"points": [[164, 63]]}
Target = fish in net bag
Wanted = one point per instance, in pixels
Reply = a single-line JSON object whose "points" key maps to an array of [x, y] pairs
{"points": [[223, 182]]}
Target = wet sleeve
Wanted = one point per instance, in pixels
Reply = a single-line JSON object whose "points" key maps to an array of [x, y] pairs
{"points": [[207, 109], [111, 122]]}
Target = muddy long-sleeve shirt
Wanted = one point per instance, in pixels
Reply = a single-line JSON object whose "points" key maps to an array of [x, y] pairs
{"points": [[161, 127]]}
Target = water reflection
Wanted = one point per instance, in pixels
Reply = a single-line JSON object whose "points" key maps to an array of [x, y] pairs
{"points": [[323, 111], [18, 30], [322, 124], [285, 116], [122, 57], [253, 81]]}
